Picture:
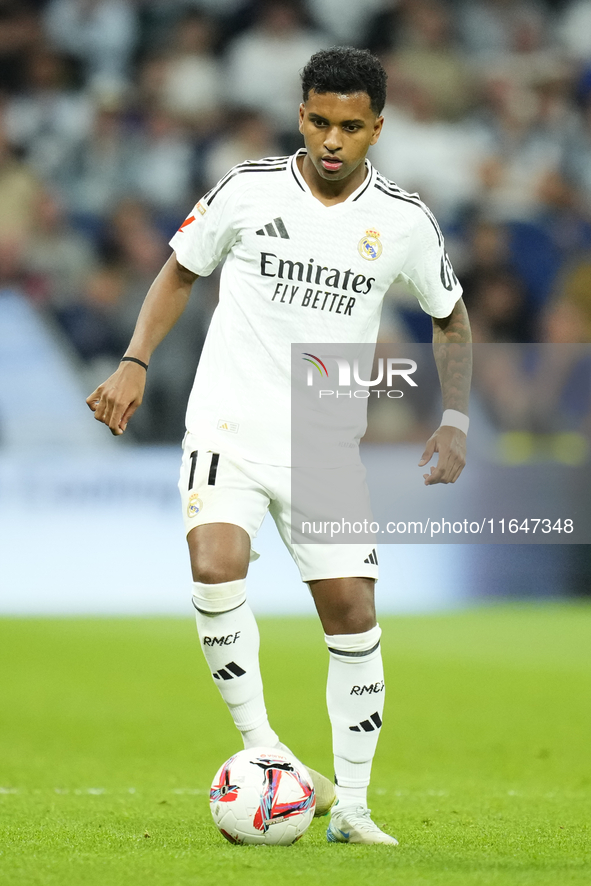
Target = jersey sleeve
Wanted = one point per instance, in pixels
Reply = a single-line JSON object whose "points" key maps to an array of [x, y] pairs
{"points": [[427, 270], [209, 231]]}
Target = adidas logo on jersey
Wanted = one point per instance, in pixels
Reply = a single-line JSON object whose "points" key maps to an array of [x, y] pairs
{"points": [[272, 228], [373, 558], [224, 673], [367, 726]]}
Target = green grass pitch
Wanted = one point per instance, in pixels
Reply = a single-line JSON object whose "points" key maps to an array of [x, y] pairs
{"points": [[111, 731]]}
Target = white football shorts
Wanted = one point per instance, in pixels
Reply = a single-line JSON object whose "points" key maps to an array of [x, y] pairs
{"points": [[223, 488]]}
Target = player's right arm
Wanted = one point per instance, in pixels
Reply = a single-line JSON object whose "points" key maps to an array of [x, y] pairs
{"points": [[116, 399], [202, 241]]}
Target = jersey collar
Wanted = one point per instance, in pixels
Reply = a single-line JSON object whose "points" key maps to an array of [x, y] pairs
{"points": [[302, 184]]}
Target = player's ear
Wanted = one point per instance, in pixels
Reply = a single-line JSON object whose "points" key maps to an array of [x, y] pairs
{"points": [[377, 128], [301, 121]]}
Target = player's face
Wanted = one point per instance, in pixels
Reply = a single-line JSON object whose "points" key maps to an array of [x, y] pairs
{"points": [[338, 130]]}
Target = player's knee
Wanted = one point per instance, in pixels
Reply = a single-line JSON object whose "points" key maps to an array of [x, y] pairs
{"points": [[353, 617], [212, 573], [212, 566], [348, 612], [345, 605], [219, 553], [213, 598]]}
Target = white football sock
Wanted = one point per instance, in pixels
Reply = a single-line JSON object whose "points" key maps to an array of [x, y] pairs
{"points": [[355, 701], [230, 643]]}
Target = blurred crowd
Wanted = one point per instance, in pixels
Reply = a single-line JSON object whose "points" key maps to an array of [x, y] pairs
{"points": [[116, 115]]}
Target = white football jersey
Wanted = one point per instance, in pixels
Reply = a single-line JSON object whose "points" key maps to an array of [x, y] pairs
{"points": [[296, 271]]}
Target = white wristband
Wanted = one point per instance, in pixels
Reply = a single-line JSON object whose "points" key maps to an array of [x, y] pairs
{"points": [[454, 419]]}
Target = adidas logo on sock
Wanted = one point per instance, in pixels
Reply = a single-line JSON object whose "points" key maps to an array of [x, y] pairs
{"points": [[224, 673], [366, 726], [272, 229], [373, 558]]}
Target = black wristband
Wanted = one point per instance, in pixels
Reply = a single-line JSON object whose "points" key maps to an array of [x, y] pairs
{"points": [[134, 360]]}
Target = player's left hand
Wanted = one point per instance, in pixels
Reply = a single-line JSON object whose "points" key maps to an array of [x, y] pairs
{"points": [[450, 443]]}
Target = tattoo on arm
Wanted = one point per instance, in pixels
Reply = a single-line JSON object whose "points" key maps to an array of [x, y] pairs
{"points": [[452, 349]]}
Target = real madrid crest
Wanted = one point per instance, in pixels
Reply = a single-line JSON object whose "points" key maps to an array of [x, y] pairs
{"points": [[194, 506], [370, 246]]}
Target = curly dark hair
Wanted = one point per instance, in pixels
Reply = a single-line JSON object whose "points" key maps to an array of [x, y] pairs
{"points": [[344, 69]]}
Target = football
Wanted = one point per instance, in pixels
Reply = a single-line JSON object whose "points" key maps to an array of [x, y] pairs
{"points": [[262, 795]]}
